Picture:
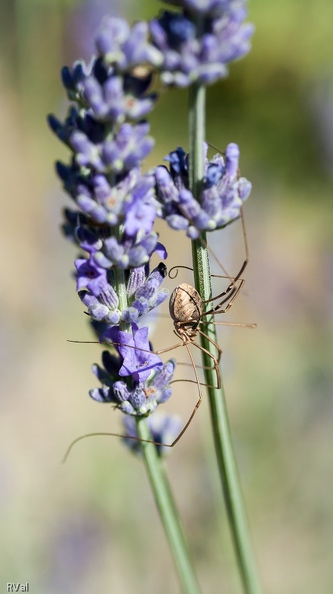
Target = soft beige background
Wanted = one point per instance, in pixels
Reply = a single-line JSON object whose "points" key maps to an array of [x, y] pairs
{"points": [[91, 525]]}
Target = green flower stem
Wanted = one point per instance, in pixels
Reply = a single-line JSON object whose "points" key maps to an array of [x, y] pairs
{"points": [[167, 510], [218, 409], [159, 483], [120, 285]]}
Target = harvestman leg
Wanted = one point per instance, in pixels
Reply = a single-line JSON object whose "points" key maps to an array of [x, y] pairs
{"points": [[230, 293], [196, 407]]}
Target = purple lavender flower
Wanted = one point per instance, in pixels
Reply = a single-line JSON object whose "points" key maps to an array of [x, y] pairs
{"points": [[208, 7], [126, 47], [127, 147], [89, 276], [108, 139], [108, 93], [147, 296], [223, 193], [104, 307], [137, 393], [199, 42], [130, 252], [133, 346], [143, 289]]}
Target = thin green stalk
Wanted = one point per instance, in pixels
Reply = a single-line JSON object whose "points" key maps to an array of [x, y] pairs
{"points": [[160, 486], [167, 510], [218, 409]]}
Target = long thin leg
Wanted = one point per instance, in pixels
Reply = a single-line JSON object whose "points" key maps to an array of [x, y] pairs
{"points": [[97, 434], [215, 344], [216, 360], [169, 445], [210, 355], [236, 324], [230, 298], [129, 346], [198, 401], [232, 290]]}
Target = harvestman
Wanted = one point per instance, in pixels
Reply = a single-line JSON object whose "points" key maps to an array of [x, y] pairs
{"points": [[188, 313]]}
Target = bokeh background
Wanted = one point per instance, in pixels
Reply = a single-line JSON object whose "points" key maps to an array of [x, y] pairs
{"points": [[91, 525]]}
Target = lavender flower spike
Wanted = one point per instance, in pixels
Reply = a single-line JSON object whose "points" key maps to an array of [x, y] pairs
{"points": [[133, 346], [115, 207], [223, 192], [143, 288], [200, 40]]}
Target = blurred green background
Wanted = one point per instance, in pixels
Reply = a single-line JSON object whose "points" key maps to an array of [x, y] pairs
{"points": [[91, 525]]}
